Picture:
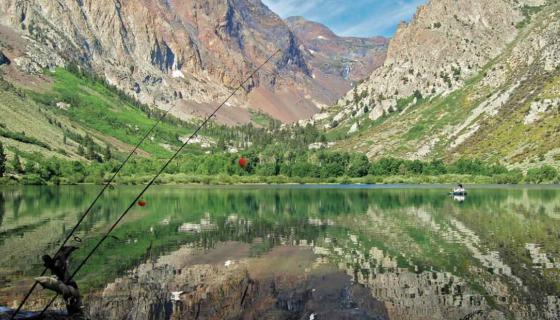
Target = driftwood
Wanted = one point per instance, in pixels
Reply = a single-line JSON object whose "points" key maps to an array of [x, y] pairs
{"points": [[62, 283], [71, 295]]}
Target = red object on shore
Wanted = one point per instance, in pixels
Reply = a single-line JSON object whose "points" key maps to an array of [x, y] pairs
{"points": [[142, 203], [243, 162]]}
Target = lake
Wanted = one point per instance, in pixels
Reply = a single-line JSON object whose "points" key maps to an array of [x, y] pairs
{"points": [[295, 252]]}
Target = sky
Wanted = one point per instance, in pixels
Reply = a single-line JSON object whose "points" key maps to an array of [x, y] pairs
{"points": [[360, 18]]}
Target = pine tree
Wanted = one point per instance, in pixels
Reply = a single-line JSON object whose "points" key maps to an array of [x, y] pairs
{"points": [[221, 144], [90, 152], [16, 164], [2, 160], [81, 150], [30, 167], [356, 97], [107, 155]]}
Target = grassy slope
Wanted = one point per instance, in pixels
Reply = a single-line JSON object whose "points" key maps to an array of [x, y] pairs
{"points": [[22, 114], [102, 110], [32, 114], [501, 138]]}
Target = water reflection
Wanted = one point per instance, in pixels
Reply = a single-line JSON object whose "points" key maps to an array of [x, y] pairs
{"points": [[459, 198], [424, 254]]}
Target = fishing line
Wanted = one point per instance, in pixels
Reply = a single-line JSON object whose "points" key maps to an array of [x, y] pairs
{"points": [[153, 180], [88, 210]]}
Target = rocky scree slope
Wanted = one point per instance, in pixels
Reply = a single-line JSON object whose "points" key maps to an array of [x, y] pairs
{"points": [[477, 80], [184, 53]]}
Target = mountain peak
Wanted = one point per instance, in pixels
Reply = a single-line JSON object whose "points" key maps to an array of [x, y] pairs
{"points": [[301, 25]]}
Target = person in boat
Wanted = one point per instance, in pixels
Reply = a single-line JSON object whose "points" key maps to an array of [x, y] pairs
{"points": [[459, 189]]}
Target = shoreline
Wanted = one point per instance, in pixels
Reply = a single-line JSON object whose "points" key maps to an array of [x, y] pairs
{"points": [[221, 180]]}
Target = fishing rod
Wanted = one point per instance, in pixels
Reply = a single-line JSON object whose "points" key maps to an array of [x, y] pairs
{"points": [[88, 210], [155, 177]]}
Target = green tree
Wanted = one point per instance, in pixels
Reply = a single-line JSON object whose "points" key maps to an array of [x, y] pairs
{"points": [[333, 164], [542, 174], [30, 167], [2, 160], [415, 167], [221, 145], [435, 167], [16, 164], [385, 167], [90, 151], [305, 169], [50, 170], [107, 154], [81, 151], [469, 166], [267, 169], [359, 165], [332, 170]]}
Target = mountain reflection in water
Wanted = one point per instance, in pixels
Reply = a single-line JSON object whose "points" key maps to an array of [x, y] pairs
{"points": [[423, 255]]}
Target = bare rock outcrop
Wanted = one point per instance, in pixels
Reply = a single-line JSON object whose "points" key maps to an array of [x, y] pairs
{"points": [[446, 42]]}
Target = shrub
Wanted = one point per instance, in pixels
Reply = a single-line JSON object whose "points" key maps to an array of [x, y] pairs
{"points": [[542, 174], [33, 179], [21, 137], [513, 177]]}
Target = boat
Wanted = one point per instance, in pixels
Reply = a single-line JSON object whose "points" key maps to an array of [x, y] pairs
{"points": [[458, 193]]}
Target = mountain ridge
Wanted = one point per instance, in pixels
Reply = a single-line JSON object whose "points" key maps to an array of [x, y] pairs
{"points": [[186, 54], [495, 77]]}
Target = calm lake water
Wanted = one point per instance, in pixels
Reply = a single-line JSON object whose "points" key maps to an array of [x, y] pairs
{"points": [[422, 253]]}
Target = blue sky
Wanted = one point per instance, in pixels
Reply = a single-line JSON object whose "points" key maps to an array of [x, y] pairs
{"points": [[362, 18]]}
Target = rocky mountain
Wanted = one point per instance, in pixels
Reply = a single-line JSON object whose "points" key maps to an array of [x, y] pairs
{"points": [[333, 65], [187, 54], [476, 79]]}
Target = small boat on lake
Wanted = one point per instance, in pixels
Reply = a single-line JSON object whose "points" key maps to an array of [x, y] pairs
{"points": [[459, 191], [455, 193]]}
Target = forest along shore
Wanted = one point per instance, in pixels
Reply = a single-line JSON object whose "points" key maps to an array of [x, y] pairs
{"points": [[222, 169]]}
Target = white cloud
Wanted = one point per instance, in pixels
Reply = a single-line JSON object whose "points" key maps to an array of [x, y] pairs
{"points": [[288, 8], [351, 18], [382, 22]]}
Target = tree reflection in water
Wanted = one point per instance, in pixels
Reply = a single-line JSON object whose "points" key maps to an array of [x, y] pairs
{"points": [[417, 250]]}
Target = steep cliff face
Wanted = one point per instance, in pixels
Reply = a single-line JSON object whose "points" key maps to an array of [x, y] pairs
{"points": [[446, 42], [476, 80], [184, 53]]}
